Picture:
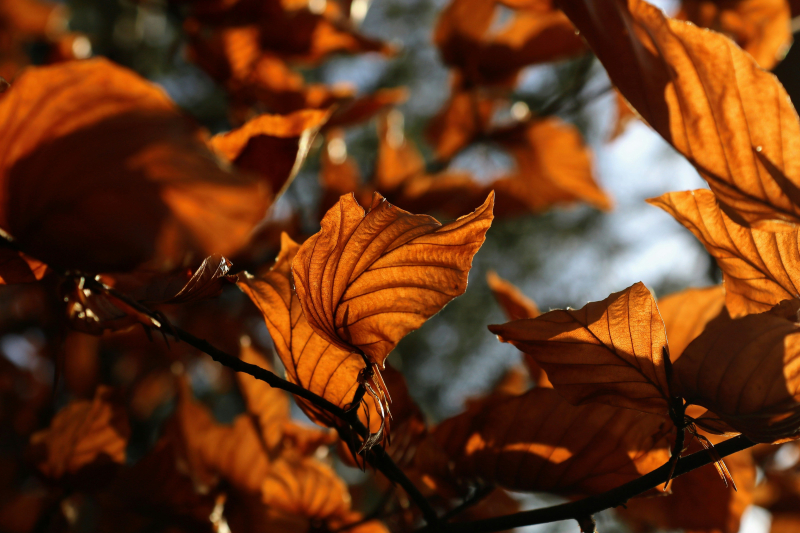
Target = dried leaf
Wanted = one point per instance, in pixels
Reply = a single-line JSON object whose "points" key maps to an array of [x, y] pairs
{"points": [[686, 314], [760, 268], [305, 487], [744, 371], [707, 98], [539, 442], [699, 501], [16, 267], [613, 351], [515, 305], [310, 361], [369, 278], [271, 146], [761, 27], [84, 435], [99, 172], [463, 118]]}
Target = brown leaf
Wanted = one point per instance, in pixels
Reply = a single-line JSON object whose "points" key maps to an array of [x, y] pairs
{"points": [[463, 118], [743, 370], [699, 500], [305, 487], [369, 278], [761, 27], [310, 361], [398, 157], [83, 435], [515, 305], [539, 442], [554, 166], [707, 98], [270, 407], [613, 351], [16, 267], [271, 146], [760, 268], [686, 314], [100, 172]]}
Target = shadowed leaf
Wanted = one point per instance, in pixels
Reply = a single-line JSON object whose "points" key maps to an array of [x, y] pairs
{"points": [[686, 314], [706, 97], [613, 351]]}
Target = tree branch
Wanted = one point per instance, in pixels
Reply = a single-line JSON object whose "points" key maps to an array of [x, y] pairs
{"points": [[377, 456], [593, 504]]}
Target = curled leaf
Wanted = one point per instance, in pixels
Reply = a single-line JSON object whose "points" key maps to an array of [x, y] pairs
{"points": [[613, 351], [369, 278], [760, 268], [686, 314], [706, 97], [539, 442]]}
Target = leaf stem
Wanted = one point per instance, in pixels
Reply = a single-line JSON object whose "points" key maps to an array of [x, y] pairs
{"points": [[593, 504]]}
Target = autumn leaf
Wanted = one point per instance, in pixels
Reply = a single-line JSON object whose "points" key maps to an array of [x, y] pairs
{"points": [[85, 435], [742, 370], [760, 268], [515, 305], [761, 27], [100, 172], [613, 351], [686, 314], [699, 501], [310, 360], [305, 487], [707, 98], [465, 116], [398, 157], [16, 267], [368, 278], [271, 146], [539, 442]]}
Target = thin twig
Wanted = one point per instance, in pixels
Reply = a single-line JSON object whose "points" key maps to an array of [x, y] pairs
{"points": [[593, 504], [377, 457]]}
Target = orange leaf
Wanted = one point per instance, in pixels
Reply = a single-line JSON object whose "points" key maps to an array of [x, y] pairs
{"points": [[707, 98], [515, 305], [699, 500], [100, 172], [83, 435], [760, 268], [271, 146], [760, 27], [310, 360], [466, 115], [16, 267], [369, 278], [686, 314], [613, 351], [305, 487], [539, 442], [744, 371]]}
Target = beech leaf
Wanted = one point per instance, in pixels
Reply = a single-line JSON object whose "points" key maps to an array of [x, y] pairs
{"points": [[16, 267], [369, 278], [85, 434], [687, 313], [515, 305], [744, 370], [707, 98], [760, 268], [539, 442], [310, 360], [613, 351]]}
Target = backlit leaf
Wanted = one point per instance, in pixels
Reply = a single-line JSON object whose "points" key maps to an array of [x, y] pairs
{"points": [[310, 360], [368, 278], [707, 98], [686, 314], [100, 172], [515, 305], [16, 267], [613, 351], [760, 268], [539, 442], [744, 370], [84, 434]]}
